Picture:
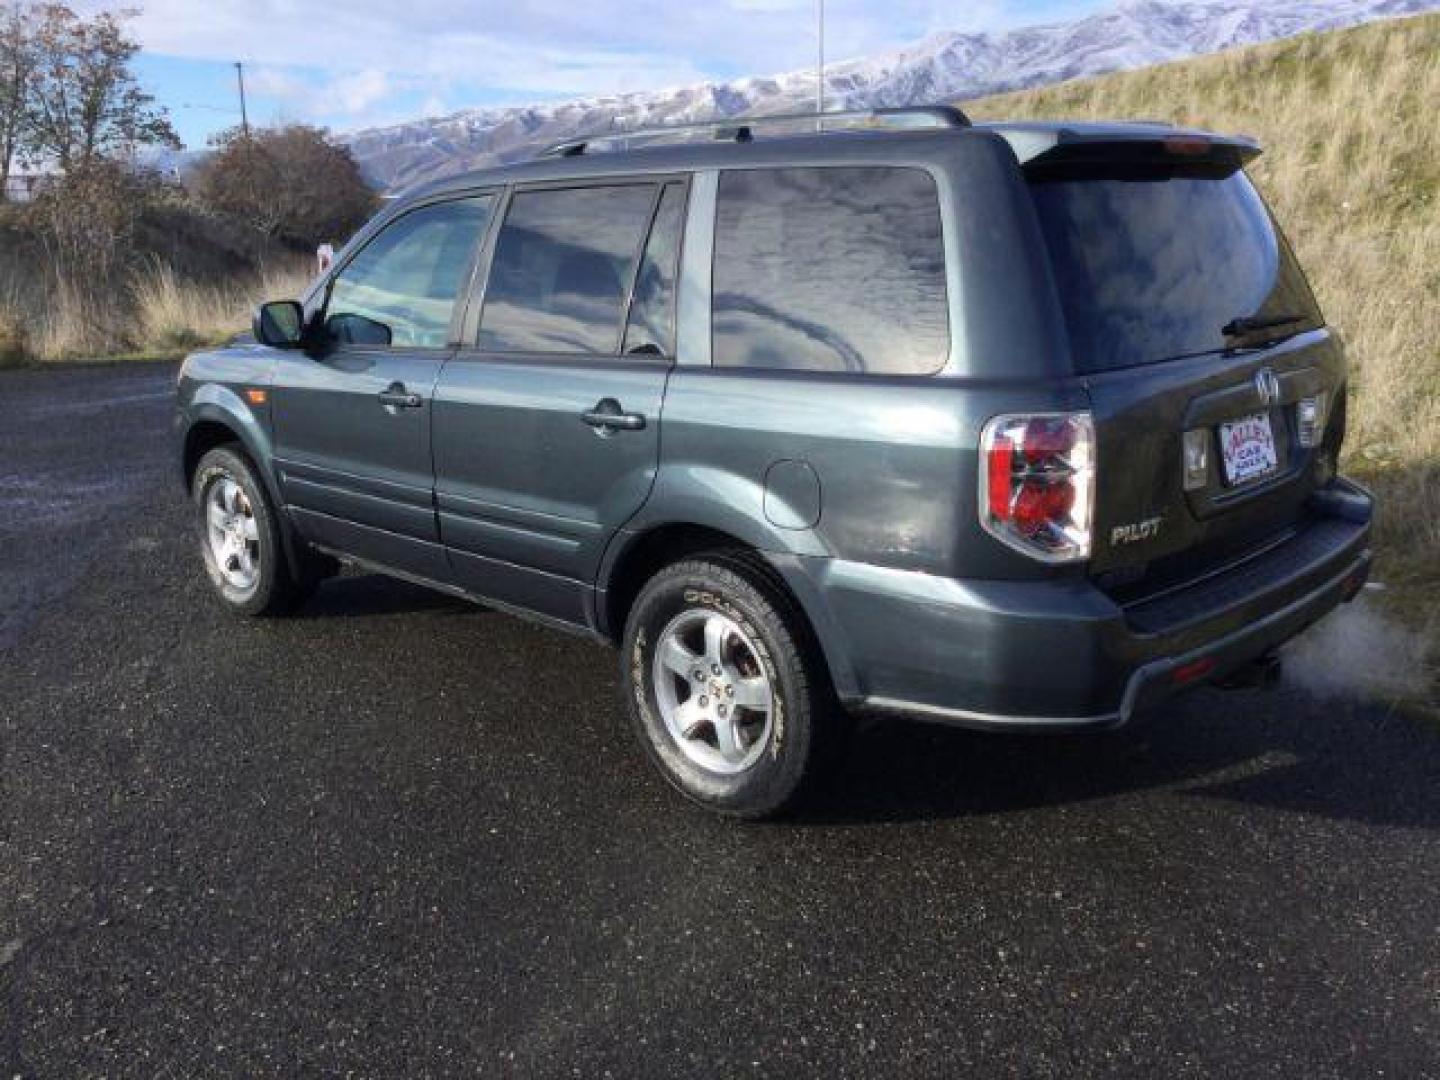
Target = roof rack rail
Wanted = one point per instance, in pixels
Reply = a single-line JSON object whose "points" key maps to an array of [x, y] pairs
{"points": [[741, 129]]}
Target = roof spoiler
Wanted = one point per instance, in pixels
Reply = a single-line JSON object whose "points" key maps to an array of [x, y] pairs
{"points": [[1152, 146]]}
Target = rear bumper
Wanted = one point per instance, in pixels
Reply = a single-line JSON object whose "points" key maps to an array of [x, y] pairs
{"points": [[1061, 654]]}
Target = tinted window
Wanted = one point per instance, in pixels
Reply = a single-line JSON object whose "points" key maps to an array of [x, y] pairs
{"points": [[652, 312], [562, 268], [401, 288], [1150, 269], [830, 270]]}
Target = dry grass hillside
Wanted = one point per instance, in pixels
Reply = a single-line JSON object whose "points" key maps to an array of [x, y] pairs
{"points": [[180, 278], [153, 314], [1351, 125]]}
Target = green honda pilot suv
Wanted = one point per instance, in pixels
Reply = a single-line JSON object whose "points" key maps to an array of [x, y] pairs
{"points": [[1012, 426]]}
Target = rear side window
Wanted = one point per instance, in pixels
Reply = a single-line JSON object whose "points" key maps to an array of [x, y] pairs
{"points": [[1152, 268], [562, 268], [830, 269], [401, 289]]}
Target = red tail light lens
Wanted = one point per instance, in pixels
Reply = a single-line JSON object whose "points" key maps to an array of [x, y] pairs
{"points": [[1037, 482], [1000, 465]]}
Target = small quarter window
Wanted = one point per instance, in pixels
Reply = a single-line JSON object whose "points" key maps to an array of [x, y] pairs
{"points": [[400, 290], [652, 312], [830, 269], [562, 269]]}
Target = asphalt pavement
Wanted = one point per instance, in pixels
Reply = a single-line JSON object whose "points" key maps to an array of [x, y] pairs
{"points": [[398, 835]]}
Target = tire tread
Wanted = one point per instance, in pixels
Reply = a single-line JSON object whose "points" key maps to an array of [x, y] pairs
{"points": [[795, 652]]}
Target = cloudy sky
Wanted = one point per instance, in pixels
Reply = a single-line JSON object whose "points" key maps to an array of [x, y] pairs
{"points": [[354, 63]]}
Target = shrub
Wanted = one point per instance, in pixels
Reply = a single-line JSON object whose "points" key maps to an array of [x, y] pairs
{"points": [[289, 182]]}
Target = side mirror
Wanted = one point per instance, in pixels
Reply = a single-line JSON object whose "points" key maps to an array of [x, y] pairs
{"points": [[348, 328], [280, 324]]}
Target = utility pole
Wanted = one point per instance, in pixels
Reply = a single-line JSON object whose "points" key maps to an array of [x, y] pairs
{"points": [[820, 59], [244, 116]]}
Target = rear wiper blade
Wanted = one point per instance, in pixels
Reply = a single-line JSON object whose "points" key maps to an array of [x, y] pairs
{"points": [[1248, 324]]}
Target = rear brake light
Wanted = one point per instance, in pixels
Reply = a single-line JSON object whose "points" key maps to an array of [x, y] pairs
{"points": [[1037, 483], [1187, 145]]}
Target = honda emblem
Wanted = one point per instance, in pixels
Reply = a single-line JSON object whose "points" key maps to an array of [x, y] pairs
{"points": [[1267, 386]]}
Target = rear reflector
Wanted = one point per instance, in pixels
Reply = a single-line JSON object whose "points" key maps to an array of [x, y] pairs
{"points": [[1037, 483], [1196, 669]]}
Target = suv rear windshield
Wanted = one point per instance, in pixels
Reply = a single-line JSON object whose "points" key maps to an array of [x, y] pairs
{"points": [[1153, 267]]}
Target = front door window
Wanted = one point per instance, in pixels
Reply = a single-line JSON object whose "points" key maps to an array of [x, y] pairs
{"points": [[401, 289]]}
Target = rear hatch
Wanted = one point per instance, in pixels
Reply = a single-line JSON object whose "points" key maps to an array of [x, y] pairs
{"points": [[1187, 313]]}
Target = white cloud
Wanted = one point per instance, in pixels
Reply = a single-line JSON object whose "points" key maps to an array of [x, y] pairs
{"points": [[346, 94]]}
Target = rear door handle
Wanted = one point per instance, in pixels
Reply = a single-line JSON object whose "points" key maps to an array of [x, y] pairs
{"points": [[395, 396], [607, 416]]}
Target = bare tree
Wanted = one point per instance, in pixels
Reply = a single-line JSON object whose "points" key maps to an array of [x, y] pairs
{"points": [[85, 102], [17, 63]]}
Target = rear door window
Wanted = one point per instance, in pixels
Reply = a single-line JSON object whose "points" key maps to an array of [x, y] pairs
{"points": [[830, 269], [562, 269], [1153, 267]]}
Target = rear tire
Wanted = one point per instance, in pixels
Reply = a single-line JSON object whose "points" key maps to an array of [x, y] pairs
{"points": [[239, 535], [725, 688]]}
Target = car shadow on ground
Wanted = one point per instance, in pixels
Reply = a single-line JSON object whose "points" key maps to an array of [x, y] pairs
{"points": [[1283, 750]]}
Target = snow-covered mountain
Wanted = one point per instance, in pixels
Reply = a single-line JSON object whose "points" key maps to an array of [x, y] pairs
{"points": [[944, 67]]}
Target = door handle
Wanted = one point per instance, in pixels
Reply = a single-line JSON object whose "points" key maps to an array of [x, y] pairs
{"points": [[608, 416], [395, 396]]}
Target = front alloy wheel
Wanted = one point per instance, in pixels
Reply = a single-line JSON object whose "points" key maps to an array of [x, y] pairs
{"points": [[233, 534], [240, 537]]}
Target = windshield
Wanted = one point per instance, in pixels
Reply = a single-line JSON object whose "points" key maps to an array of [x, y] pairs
{"points": [[1153, 267]]}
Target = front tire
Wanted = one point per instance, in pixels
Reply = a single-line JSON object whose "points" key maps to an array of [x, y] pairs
{"points": [[239, 535], [725, 688]]}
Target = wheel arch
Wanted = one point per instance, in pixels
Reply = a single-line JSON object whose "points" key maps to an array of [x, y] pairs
{"points": [[636, 555], [216, 417]]}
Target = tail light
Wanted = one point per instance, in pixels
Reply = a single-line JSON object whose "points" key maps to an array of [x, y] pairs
{"points": [[1037, 483]]}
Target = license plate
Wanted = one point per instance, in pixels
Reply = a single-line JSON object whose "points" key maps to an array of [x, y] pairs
{"points": [[1247, 449]]}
